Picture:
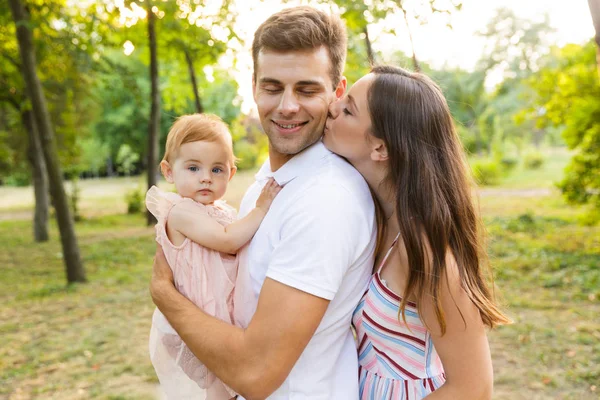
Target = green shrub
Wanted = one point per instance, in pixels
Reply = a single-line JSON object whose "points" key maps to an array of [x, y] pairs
{"points": [[533, 160], [19, 179], [135, 201], [247, 154], [509, 163], [486, 172]]}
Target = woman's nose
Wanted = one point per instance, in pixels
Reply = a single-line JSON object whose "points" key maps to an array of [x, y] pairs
{"points": [[333, 109]]}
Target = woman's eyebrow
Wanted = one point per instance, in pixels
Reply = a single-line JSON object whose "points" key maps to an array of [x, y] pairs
{"points": [[353, 103]]}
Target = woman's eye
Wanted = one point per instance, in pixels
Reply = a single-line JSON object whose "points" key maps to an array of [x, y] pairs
{"points": [[217, 170], [345, 110], [193, 168]]}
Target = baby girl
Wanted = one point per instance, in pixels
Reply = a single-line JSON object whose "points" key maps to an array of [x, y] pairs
{"points": [[201, 240]]}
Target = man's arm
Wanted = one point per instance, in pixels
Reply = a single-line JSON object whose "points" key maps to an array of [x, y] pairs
{"points": [[254, 361]]}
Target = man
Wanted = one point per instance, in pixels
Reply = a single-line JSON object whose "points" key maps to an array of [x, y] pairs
{"points": [[311, 259]]}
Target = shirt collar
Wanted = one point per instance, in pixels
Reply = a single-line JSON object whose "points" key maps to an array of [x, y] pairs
{"points": [[296, 166]]}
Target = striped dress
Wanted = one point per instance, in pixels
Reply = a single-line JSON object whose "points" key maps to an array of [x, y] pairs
{"points": [[396, 360]]}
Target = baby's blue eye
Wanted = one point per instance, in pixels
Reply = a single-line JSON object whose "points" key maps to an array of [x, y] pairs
{"points": [[217, 170], [193, 168]]}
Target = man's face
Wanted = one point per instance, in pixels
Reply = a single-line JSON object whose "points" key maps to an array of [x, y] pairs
{"points": [[293, 91]]}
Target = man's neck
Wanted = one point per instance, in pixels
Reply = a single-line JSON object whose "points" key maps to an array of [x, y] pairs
{"points": [[277, 160]]}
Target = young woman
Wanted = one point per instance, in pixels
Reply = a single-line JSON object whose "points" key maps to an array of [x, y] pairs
{"points": [[421, 325]]}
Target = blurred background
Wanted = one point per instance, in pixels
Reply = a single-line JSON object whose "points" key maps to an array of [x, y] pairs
{"points": [[79, 146]]}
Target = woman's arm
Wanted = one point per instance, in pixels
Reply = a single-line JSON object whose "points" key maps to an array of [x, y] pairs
{"points": [[207, 232], [464, 349]]}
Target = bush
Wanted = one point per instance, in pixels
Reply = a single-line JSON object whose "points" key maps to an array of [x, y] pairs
{"points": [[486, 172], [508, 163], [19, 179], [247, 154], [135, 201], [533, 160]]}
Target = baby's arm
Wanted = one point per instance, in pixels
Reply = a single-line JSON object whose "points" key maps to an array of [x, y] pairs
{"points": [[207, 232]]}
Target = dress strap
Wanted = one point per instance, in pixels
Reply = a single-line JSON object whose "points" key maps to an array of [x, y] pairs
{"points": [[388, 253]]}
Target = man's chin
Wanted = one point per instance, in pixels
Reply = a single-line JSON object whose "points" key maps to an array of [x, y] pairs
{"points": [[292, 148]]}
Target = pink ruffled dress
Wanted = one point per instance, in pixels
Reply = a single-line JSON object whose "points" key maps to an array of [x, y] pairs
{"points": [[216, 282]]}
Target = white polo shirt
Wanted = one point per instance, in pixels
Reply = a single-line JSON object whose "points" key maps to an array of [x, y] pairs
{"points": [[319, 237]]}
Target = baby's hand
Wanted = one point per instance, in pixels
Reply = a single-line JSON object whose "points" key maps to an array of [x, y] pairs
{"points": [[267, 195]]}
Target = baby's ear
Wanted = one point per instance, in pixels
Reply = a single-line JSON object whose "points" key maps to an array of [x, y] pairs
{"points": [[166, 170], [232, 172]]}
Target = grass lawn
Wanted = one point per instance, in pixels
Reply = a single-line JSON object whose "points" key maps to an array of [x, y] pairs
{"points": [[90, 340]]}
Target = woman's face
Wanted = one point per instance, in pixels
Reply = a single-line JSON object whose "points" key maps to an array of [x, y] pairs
{"points": [[347, 127]]}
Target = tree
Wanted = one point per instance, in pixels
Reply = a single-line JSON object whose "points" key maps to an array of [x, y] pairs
{"points": [[595, 11], [154, 107], [513, 44], [74, 266], [180, 31], [15, 96], [359, 14], [514, 48], [568, 96], [186, 32]]}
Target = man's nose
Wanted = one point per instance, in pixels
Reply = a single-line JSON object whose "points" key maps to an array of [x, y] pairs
{"points": [[289, 103]]}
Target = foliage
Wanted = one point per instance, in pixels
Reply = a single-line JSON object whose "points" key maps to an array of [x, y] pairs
{"points": [[220, 95], [514, 44], [533, 160], [486, 171], [568, 95], [127, 158], [135, 201], [250, 144]]}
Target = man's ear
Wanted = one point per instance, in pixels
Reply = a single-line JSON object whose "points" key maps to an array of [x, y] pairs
{"points": [[341, 88], [232, 172], [166, 170], [379, 151], [254, 86]]}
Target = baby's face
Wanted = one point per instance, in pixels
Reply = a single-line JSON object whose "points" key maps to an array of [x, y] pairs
{"points": [[202, 171]]}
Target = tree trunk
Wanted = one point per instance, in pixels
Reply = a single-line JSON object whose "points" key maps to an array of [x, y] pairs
{"points": [[595, 11], [190, 63], [416, 65], [70, 249], [370, 55], [154, 110], [40, 178]]}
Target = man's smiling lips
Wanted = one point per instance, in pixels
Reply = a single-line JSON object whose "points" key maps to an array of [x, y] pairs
{"points": [[289, 126]]}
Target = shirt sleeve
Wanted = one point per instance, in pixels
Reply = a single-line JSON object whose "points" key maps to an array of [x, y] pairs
{"points": [[319, 241]]}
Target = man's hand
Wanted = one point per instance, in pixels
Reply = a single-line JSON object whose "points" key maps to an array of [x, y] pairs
{"points": [[162, 276]]}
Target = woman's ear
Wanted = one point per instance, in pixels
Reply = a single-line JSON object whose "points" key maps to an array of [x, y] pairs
{"points": [[379, 151], [166, 170]]}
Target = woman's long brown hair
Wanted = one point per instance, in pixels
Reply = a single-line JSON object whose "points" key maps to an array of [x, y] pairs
{"points": [[431, 181]]}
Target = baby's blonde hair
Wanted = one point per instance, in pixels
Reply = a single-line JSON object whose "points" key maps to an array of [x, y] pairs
{"points": [[198, 127]]}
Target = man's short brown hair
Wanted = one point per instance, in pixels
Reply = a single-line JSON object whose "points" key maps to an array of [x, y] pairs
{"points": [[303, 28]]}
